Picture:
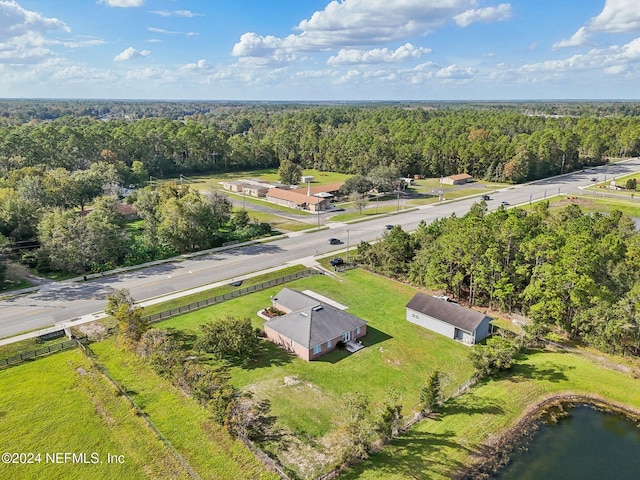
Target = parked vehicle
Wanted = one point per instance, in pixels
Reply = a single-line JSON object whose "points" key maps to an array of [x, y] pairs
{"points": [[334, 262]]}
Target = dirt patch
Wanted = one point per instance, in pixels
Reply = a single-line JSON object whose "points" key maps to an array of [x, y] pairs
{"points": [[92, 329]]}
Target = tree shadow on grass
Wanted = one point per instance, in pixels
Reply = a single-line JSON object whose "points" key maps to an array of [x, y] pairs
{"points": [[267, 354], [416, 454], [549, 372], [184, 338], [480, 406]]}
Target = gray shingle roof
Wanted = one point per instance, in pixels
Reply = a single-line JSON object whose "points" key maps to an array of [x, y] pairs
{"points": [[451, 313], [314, 324], [294, 300]]}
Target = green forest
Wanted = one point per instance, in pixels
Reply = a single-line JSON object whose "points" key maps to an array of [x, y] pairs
{"points": [[59, 157], [568, 270]]}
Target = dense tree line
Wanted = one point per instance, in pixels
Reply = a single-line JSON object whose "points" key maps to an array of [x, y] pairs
{"points": [[568, 270], [510, 144], [49, 167]]}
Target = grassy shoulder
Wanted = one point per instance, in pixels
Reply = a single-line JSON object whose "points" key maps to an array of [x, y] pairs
{"points": [[62, 404], [197, 297], [437, 448]]}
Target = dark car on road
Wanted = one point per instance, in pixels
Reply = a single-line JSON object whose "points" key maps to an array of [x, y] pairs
{"points": [[389, 227], [334, 241], [334, 262]]}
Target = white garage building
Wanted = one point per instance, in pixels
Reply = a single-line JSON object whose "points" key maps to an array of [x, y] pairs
{"points": [[448, 318]]}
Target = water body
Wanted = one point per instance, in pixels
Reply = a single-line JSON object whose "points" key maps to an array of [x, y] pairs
{"points": [[586, 445]]}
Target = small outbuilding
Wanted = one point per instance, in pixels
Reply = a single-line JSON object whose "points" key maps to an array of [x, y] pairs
{"points": [[459, 179], [448, 318]]}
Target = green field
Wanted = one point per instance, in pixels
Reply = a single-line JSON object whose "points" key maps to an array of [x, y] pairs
{"points": [[589, 203], [437, 448], [306, 396], [62, 404], [48, 404], [209, 450], [204, 182], [281, 222]]}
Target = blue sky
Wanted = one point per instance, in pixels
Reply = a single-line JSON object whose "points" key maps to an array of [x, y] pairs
{"points": [[320, 49]]}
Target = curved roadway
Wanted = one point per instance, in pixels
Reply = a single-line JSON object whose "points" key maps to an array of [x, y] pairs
{"points": [[59, 302]]}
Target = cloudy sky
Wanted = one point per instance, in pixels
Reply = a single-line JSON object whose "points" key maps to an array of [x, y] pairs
{"points": [[320, 49]]}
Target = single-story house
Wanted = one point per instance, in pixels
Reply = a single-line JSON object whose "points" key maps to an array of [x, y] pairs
{"points": [[459, 179], [310, 327], [448, 318], [234, 186], [297, 199]]}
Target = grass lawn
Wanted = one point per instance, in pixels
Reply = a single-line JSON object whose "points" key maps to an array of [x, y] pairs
{"points": [[210, 451], [197, 297], [604, 205], [27, 345], [437, 448], [279, 222], [367, 212], [306, 396], [51, 405], [270, 174]]}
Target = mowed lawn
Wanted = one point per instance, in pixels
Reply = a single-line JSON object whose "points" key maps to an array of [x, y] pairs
{"points": [[437, 448], [61, 404], [306, 396]]}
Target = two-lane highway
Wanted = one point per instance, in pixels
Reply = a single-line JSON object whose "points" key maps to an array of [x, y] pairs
{"points": [[54, 303]]}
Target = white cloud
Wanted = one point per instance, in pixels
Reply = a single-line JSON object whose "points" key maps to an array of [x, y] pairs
{"points": [[490, 14], [163, 31], [177, 13], [578, 39], [378, 55], [612, 59], [347, 24], [131, 53], [453, 72], [617, 16], [122, 3], [22, 33]]}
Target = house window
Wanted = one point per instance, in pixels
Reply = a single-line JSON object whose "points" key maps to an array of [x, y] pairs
{"points": [[293, 344], [358, 331], [317, 350], [329, 344], [346, 336]]}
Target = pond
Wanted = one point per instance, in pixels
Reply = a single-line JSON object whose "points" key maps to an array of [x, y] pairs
{"points": [[586, 444]]}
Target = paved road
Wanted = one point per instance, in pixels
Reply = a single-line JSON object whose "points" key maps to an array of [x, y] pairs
{"points": [[59, 302]]}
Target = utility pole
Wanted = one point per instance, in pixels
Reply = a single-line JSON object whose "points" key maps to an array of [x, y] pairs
{"points": [[347, 247]]}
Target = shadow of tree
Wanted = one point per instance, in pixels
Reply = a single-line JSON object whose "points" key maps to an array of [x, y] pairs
{"points": [[481, 406], [548, 371], [267, 354], [184, 338], [412, 456]]}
